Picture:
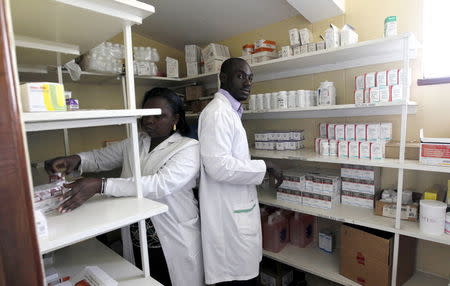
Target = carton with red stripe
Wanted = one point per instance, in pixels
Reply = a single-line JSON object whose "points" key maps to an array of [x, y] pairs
{"points": [[434, 151]]}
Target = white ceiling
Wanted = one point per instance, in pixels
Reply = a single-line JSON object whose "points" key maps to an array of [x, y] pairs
{"points": [[180, 22]]}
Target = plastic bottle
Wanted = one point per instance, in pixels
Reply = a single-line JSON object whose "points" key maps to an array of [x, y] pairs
{"points": [[301, 229], [274, 100], [292, 99], [275, 232], [301, 98], [282, 100]]}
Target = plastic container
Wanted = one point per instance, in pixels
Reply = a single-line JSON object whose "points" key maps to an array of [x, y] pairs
{"points": [[282, 100], [447, 223], [432, 217], [327, 93], [301, 98], [274, 100], [267, 101], [301, 229], [275, 232], [292, 99], [259, 101]]}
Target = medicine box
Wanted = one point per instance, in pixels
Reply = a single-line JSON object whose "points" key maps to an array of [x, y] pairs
{"points": [[326, 241], [359, 96], [42, 96], [357, 199], [192, 53], [374, 95], [386, 131], [369, 80], [340, 131], [263, 56], [366, 256], [434, 151], [361, 132], [321, 45], [331, 133], [381, 79], [306, 36], [373, 132], [361, 186], [286, 51], [215, 52], [348, 35], [353, 149], [385, 95], [312, 47], [359, 82], [213, 66], [360, 172], [323, 131], [294, 37], [193, 69], [343, 149], [396, 93], [332, 37], [350, 132], [296, 49], [171, 67], [265, 44], [364, 150], [303, 49]]}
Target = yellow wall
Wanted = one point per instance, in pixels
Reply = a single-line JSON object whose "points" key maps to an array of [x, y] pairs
{"points": [[432, 114]]}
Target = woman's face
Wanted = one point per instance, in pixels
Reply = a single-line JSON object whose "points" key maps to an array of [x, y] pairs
{"points": [[159, 125]]}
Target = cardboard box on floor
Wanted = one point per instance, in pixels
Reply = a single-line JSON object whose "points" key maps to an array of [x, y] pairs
{"points": [[366, 256]]}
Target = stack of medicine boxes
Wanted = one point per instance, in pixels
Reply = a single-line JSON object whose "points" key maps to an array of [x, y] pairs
{"points": [[359, 185], [193, 60]]}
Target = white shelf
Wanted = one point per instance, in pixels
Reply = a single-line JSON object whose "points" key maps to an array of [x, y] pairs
{"points": [[312, 260], [55, 25], [341, 213], [38, 121], [311, 156], [341, 110], [412, 229], [424, 279], [97, 216], [71, 260]]}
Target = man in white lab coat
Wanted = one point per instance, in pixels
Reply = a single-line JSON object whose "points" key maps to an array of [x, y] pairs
{"points": [[230, 219]]}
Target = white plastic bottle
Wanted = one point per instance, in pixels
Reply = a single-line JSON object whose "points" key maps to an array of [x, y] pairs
{"points": [[282, 100]]}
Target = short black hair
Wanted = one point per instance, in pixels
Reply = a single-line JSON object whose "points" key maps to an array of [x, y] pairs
{"points": [[175, 104], [228, 64]]}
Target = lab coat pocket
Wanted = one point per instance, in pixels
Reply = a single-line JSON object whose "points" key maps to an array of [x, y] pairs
{"points": [[190, 232], [246, 218]]}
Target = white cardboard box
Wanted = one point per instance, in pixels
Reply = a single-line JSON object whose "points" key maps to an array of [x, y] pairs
{"points": [[350, 132], [381, 78], [306, 36], [192, 53], [213, 66], [294, 37], [42, 96], [359, 96], [373, 132], [348, 35], [369, 80], [434, 151], [332, 37], [353, 149], [343, 149], [361, 132], [215, 52], [172, 67], [192, 68], [339, 132]]}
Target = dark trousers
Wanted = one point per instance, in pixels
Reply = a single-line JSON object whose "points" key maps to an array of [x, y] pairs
{"points": [[251, 282], [158, 265]]}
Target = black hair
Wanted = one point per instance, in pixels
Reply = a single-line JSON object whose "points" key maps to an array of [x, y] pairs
{"points": [[175, 104], [227, 65]]}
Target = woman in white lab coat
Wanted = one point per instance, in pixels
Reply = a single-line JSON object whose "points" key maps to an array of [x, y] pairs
{"points": [[170, 164]]}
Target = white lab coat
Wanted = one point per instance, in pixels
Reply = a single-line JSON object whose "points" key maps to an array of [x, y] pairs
{"points": [[169, 173], [231, 225]]}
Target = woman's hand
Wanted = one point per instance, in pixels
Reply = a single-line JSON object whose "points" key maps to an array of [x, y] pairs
{"points": [[274, 171], [80, 191], [67, 164]]}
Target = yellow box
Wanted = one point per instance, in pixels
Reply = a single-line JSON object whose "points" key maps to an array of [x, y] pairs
{"points": [[42, 96]]}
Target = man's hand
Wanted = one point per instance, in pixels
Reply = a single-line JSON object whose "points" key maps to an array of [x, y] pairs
{"points": [[67, 164], [274, 171], [80, 191]]}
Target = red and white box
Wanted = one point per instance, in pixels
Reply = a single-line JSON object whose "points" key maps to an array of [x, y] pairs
{"points": [[381, 78], [339, 130], [357, 199], [361, 132], [373, 132], [317, 145], [385, 93], [333, 147], [361, 172], [434, 151], [396, 93], [359, 82], [323, 130], [374, 95], [364, 150], [369, 80], [377, 150], [353, 149], [350, 132], [331, 132], [359, 96], [343, 149]]}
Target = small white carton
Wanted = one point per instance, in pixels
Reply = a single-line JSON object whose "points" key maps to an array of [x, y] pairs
{"points": [[192, 53], [396, 93], [350, 132], [353, 149], [323, 130], [331, 131], [41, 223], [369, 79], [386, 131], [294, 37], [377, 150], [312, 47], [381, 78], [321, 45], [42, 96], [306, 36], [393, 77], [317, 145], [385, 95], [348, 35], [286, 51], [359, 96], [172, 67], [213, 65], [367, 95], [333, 148], [296, 49], [343, 149], [324, 147], [374, 95], [193, 68], [359, 82], [361, 132], [332, 37], [340, 132], [364, 150], [303, 49], [373, 132], [215, 52]]}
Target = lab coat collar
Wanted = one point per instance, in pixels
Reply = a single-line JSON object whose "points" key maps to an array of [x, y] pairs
{"points": [[236, 105], [175, 137]]}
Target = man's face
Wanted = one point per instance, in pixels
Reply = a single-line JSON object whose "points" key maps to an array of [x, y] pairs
{"points": [[239, 81]]}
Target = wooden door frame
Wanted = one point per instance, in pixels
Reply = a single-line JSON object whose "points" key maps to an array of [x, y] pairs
{"points": [[20, 260]]}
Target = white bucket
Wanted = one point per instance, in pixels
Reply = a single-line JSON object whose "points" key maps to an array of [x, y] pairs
{"points": [[432, 217]]}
